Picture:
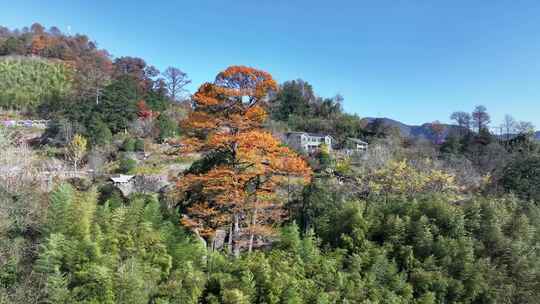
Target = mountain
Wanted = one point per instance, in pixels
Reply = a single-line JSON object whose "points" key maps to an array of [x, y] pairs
{"points": [[423, 131]]}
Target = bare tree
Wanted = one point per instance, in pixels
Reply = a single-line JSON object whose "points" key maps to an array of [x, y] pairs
{"points": [[524, 127], [93, 74], [176, 80], [462, 119], [508, 126], [480, 117]]}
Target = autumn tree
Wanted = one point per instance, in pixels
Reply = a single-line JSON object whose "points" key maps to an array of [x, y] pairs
{"points": [[136, 68], [438, 130], [76, 149], [176, 80], [245, 165], [402, 178], [39, 42], [94, 70], [146, 119], [37, 28]]}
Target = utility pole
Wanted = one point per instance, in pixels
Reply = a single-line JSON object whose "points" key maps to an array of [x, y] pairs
{"points": [[97, 95]]}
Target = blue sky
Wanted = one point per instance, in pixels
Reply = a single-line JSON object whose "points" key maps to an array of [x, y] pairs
{"points": [[415, 61]]}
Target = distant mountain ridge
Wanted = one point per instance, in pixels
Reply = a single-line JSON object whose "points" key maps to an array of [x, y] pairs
{"points": [[423, 131]]}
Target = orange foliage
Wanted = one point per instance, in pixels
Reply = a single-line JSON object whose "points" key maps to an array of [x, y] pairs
{"points": [[245, 81], [39, 42], [241, 192], [206, 95]]}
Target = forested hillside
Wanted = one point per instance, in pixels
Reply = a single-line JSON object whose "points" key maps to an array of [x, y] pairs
{"points": [[140, 192], [26, 82]]}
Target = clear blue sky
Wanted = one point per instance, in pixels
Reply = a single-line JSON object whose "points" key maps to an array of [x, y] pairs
{"points": [[415, 61]]}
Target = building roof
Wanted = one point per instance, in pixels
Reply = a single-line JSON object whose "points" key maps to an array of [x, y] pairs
{"points": [[310, 134], [358, 141], [121, 179]]}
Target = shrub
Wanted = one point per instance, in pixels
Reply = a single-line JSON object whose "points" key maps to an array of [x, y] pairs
{"points": [[128, 145], [139, 145], [62, 132], [127, 165], [167, 127], [99, 133], [522, 177]]}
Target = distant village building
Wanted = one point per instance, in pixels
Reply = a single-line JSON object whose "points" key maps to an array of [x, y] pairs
{"points": [[311, 142], [128, 184], [121, 179], [355, 145], [308, 142]]}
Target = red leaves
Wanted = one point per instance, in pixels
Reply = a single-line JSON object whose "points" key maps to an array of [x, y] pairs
{"points": [[144, 112]]}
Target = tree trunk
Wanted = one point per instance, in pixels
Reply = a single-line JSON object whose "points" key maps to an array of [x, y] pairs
{"points": [[236, 236], [229, 245], [251, 234]]}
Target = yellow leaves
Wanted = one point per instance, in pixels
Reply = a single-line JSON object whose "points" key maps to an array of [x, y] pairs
{"points": [[343, 166], [440, 181], [79, 143], [399, 177], [76, 148]]}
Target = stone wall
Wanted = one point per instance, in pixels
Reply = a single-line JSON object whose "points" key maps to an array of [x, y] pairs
{"points": [[39, 124]]}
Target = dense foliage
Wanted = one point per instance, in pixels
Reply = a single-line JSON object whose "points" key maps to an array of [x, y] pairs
{"points": [[423, 250], [27, 82], [244, 218], [239, 192]]}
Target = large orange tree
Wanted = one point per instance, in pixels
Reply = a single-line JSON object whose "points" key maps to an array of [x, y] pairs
{"points": [[236, 184]]}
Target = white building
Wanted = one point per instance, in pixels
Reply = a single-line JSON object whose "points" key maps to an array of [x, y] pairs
{"points": [[121, 179], [308, 142], [355, 145]]}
